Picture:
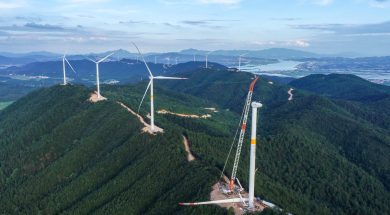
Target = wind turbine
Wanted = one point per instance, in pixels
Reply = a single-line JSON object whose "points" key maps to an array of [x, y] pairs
{"points": [[176, 59], [97, 72], [249, 202], [207, 56], [194, 58], [151, 77], [239, 61], [155, 59], [64, 67]]}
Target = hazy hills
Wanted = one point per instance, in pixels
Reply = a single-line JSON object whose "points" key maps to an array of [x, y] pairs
{"points": [[316, 155], [274, 53], [17, 81], [125, 70], [349, 87]]}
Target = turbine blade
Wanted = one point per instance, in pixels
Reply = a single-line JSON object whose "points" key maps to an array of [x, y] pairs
{"points": [[70, 65], [143, 97], [91, 60], [165, 77], [224, 201], [147, 67], [101, 60]]}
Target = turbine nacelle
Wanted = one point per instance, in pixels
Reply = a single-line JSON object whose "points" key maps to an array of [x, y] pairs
{"points": [[207, 56], [97, 72], [172, 78], [239, 61], [150, 85], [64, 60]]}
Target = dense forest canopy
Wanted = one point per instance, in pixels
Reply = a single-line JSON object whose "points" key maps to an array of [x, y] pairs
{"points": [[317, 153]]}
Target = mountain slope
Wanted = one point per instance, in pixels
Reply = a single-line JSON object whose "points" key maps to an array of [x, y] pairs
{"points": [[346, 132], [125, 70], [81, 158], [360, 97], [342, 86], [273, 53], [11, 90], [78, 157]]}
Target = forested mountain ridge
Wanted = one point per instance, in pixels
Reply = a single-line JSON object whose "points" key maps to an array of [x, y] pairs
{"points": [[125, 70], [360, 97], [77, 157], [62, 154], [343, 86], [356, 131]]}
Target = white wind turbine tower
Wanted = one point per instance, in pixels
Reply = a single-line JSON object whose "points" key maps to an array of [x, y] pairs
{"points": [[194, 58], [64, 67], [239, 61], [176, 59], [207, 56], [249, 202], [151, 77], [97, 73]]}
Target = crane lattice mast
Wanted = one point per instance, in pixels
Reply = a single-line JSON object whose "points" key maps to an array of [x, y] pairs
{"points": [[242, 133], [248, 201]]}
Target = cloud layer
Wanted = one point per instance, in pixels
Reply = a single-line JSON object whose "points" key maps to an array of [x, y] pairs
{"points": [[168, 25]]}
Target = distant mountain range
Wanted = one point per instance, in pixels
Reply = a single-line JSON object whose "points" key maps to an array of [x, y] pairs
{"points": [[221, 56], [30, 54], [274, 53], [124, 71], [16, 81], [266, 53], [349, 87]]}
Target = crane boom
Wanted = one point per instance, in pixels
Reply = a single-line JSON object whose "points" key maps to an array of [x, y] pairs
{"points": [[242, 133]]}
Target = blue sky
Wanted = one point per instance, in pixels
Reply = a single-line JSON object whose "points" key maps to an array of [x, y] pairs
{"points": [[81, 26]]}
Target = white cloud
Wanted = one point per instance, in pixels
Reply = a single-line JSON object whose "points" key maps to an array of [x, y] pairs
{"points": [[298, 43], [371, 3], [379, 4], [87, 1], [289, 43], [228, 3], [9, 5], [223, 2], [318, 2], [265, 43], [324, 2]]}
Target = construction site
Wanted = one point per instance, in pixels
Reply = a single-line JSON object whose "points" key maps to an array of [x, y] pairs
{"points": [[228, 192]]}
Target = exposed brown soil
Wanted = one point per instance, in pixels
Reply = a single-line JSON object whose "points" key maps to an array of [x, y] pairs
{"points": [[190, 156], [94, 98], [290, 93], [163, 111], [141, 119], [212, 109], [239, 208], [216, 194]]}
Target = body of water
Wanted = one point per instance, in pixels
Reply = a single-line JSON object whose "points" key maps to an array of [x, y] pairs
{"points": [[289, 69], [282, 68]]}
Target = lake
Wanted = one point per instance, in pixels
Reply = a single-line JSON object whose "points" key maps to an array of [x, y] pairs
{"points": [[282, 65], [284, 68]]}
